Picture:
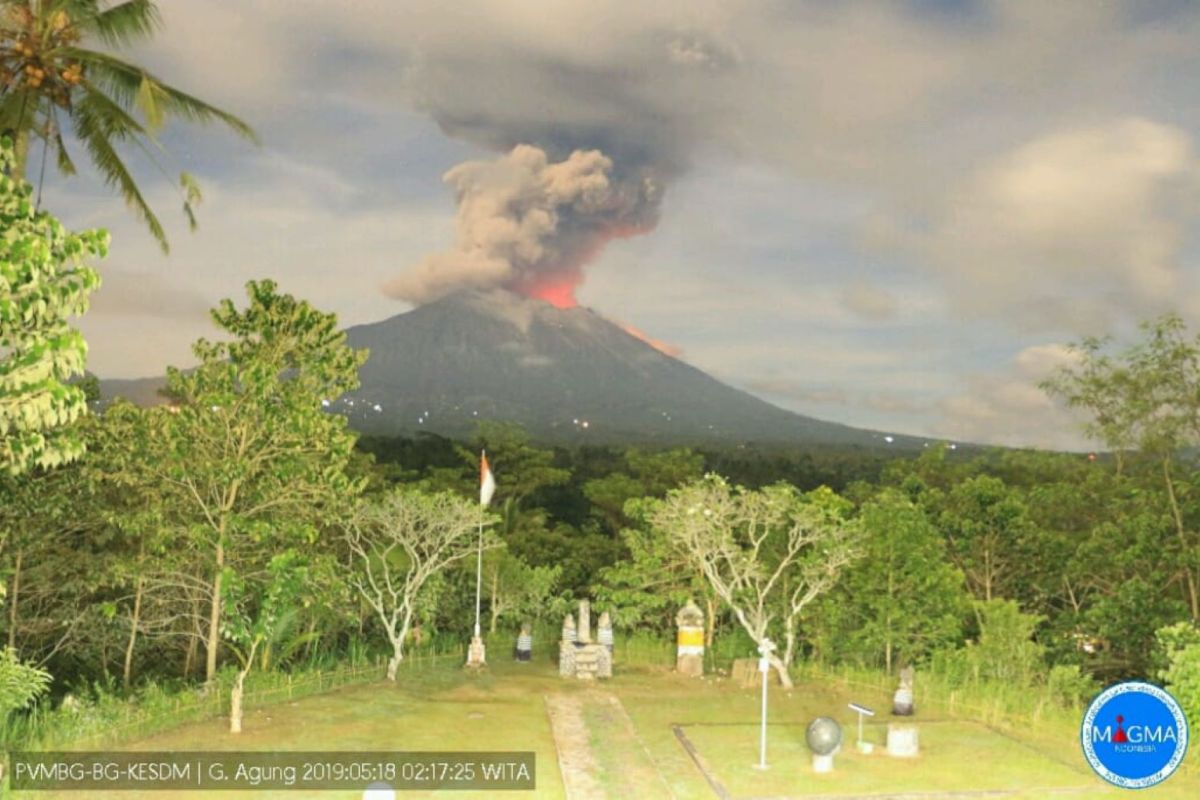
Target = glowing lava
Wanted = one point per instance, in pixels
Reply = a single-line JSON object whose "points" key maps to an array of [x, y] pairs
{"points": [[557, 290], [665, 348]]}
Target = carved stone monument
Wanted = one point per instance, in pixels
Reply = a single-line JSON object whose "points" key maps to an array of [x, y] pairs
{"points": [[604, 632], [902, 701], [566, 648], [578, 655], [689, 653]]}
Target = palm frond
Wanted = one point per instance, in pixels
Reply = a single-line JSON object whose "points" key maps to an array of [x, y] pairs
{"points": [[95, 130], [65, 165], [126, 23], [127, 83]]}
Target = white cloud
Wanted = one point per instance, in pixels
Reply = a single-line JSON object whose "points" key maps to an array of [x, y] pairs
{"points": [[1072, 229], [1007, 407]]}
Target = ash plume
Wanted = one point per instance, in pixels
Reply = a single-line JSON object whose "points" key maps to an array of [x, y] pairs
{"points": [[530, 224]]}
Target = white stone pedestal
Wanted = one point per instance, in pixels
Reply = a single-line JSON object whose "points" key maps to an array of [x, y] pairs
{"points": [[822, 763], [902, 741], [866, 748], [476, 653]]}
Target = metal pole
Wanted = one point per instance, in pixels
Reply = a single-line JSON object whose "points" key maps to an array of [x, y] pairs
{"points": [[478, 571], [762, 745], [764, 666]]}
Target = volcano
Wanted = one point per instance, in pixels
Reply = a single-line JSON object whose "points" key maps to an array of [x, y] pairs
{"points": [[566, 375]]}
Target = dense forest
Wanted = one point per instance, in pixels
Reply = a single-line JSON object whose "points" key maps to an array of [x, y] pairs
{"points": [[240, 527]]}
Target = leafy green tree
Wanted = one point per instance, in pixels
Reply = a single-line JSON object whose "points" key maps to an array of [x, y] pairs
{"points": [[1004, 650], [767, 554], [654, 580], [43, 282], [143, 539], [20, 684], [649, 474], [254, 612], [903, 598], [515, 589], [251, 460], [1148, 398], [987, 528], [520, 468], [401, 543], [53, 80]]}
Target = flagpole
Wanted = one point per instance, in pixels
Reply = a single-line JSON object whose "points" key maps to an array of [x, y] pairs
{"points": [[478, 570], [487, 485], [479, 550]]}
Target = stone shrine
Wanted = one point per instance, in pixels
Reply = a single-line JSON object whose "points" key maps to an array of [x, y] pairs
{"points": [[578, 655], [689, 653]]}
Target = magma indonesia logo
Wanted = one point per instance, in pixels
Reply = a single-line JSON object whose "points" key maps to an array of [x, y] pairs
{"points": [[1134, 735]]}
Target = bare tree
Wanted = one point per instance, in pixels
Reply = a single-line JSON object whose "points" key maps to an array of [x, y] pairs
{"points": [[767, 554], [401, 541]]}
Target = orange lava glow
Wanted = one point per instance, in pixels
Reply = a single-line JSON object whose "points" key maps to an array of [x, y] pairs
{"points": [[557, 290], [658, 344]]}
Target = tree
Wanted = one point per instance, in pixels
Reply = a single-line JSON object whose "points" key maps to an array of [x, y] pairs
{"points": [[255, 612], [401, 542], [650, 474], [1147, 397], [767, 554], [515, 589], [43, 282], [251, 459], [20, 684], [902, 599], [987, 528], [51, 79]]}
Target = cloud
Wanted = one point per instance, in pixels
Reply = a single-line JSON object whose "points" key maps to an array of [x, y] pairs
{"points": [[126, 293], [869, 302], [1072, 229], [1007, 407]]}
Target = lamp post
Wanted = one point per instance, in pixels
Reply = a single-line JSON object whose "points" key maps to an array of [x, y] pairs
{"points": [[764, 666]]}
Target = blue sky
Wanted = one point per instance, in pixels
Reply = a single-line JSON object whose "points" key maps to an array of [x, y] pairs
{"points": [[887, 214]]}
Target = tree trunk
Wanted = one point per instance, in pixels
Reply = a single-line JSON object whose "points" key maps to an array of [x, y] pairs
{"points": [[789, 637], [214, 618], [13, 599], [127, 672], [710, 620], [1193, 599], [494, 607], [397, 657], [781, 668], [235, 702]]}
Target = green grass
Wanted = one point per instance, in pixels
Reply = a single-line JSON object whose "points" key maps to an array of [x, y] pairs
{"points": [[447, 708]]}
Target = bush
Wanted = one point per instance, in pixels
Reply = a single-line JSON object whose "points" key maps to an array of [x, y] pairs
{"points": [[1178, 653], [20, 684], [1004, 652], [1069, 686]]}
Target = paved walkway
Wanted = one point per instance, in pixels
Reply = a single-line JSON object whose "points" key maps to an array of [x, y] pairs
{"points": [[600, 753]]}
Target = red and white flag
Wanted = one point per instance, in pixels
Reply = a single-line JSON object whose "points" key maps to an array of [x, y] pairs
{"points": [[487, 483]]}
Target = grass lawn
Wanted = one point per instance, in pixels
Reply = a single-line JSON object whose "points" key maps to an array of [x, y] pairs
{"points": [[628, 729]]}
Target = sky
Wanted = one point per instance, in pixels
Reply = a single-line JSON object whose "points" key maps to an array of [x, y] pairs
{"points": [[894, 215]]}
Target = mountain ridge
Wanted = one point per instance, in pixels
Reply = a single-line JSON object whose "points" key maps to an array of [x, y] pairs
{"points": [[566, 375]]}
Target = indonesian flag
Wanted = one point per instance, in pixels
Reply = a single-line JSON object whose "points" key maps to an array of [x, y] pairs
{"points": [[487, 483]]}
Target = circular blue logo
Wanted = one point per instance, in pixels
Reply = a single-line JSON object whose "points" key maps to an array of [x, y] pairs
{"points": [[1134, 735]]}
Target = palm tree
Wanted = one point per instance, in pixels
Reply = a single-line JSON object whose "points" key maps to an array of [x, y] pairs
{"points": [[50, 79]]}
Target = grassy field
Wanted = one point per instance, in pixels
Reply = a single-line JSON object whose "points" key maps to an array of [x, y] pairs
{"points": [[629, 741]]}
